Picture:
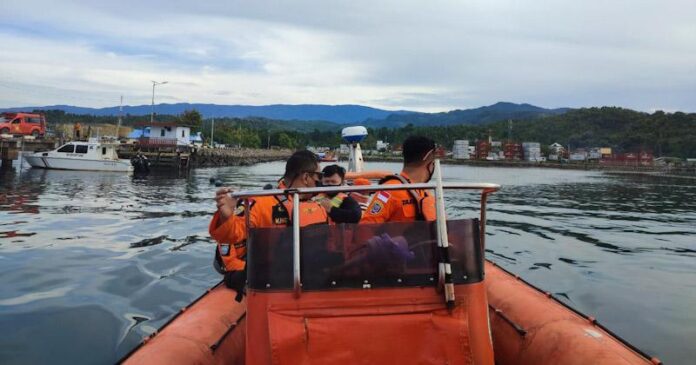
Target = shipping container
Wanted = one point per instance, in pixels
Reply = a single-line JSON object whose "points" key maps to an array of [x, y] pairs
{"points": [[460, 150]]}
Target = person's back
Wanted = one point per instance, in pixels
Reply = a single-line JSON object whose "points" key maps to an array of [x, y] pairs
{"points": [[406, 205], [229, 224]]}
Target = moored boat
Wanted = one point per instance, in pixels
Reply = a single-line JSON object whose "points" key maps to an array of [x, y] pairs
{"points": [[394, 293], [92, 155]]}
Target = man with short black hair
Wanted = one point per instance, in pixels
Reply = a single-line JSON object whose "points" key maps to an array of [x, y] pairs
{"points": [[342, 208], [229, 224], [406, 205]]}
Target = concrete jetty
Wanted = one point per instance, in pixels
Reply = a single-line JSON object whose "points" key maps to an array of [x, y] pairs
{"points": [[208, 157]]}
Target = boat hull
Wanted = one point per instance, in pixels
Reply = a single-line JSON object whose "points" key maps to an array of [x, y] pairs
{"points": [[211, 330], [62, 163], [527, 327]]}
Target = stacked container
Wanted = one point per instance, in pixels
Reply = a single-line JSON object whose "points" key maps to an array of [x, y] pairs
{"points": [[460, 150], [532, 151]]}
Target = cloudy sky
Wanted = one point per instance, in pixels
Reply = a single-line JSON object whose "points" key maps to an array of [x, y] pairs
{"points": [[419, 55]]}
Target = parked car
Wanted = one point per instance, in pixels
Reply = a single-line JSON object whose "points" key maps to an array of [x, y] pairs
{"points": [[23, 124]]}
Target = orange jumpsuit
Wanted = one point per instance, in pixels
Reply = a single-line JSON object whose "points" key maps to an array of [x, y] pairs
{"points": [[264, 211], [399, 205]]}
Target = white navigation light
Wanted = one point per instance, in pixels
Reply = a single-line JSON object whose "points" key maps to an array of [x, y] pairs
{"points": [[354, 134]]}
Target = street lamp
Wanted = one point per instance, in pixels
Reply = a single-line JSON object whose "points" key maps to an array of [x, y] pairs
{"points": [[152, 113]]}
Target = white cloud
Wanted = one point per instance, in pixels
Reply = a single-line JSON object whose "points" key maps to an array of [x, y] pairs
{"points": [[404, 55]]}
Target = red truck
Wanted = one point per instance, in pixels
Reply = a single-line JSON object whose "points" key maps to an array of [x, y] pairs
{"points": [[23, 123]]}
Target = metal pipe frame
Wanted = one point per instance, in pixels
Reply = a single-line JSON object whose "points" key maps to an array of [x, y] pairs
{"points": [[482, 221], [296, 279], [363, 188], [444, 266], [486, 188]]}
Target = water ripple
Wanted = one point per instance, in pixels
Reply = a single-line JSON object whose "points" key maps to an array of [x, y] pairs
{"points": [[82, 250]]}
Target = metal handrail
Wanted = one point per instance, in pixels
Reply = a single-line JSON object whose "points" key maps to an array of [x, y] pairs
{"points": [[486, 188], [361, 188]]}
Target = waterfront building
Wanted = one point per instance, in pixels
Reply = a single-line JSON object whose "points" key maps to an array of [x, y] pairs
{"points": [[483, 148], [513, 151], [595, 154], [165, 133]]}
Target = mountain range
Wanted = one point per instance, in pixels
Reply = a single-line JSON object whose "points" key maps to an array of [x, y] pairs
{"points": [[335, 114], [476, 116]]}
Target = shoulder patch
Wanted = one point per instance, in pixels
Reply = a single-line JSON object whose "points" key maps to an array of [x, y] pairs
{"points": [[377, 207]]}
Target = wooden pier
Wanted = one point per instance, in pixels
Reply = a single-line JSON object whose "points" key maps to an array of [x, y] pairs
{"points": [[10, 148], [164, 155]]}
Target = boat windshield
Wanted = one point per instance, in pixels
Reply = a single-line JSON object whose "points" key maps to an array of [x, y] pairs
{"points": [[396, 254], [68, 148]]}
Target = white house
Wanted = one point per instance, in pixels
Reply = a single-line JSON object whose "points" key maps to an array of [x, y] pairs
{"points": [[556, 148], [164, 133]]}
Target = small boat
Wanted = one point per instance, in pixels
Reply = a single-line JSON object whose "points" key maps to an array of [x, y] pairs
{"points": [[326, 157], [92, 155], [393, 293]]}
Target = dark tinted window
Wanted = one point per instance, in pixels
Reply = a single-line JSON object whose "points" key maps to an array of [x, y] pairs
{"points": [[81, 149], [69, 148], [351, 256], [34, 120]]}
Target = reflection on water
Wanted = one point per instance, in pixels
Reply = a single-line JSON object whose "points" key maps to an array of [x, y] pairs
{"points": [[92, 262]]}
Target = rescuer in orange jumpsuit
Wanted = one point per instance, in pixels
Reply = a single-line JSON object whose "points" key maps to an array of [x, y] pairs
{"points": [[76, 131], [229, 224], [406, 205]]}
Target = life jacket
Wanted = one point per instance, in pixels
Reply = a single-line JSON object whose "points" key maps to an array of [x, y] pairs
{"points": [[311, 212], [231, 257], [425, 204]]}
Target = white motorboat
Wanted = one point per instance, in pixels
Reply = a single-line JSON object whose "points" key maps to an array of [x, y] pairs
{"points": [[78, 155]]}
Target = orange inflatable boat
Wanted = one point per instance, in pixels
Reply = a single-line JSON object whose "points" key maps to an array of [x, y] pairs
{"points": [[394, 293]]}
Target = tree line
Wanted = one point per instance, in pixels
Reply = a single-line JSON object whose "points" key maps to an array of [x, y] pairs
{"points": [[624, 130]]}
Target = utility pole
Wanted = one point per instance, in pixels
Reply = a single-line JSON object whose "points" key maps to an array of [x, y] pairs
{"points": [[120, 115], [152, 113], [212, 133]]}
